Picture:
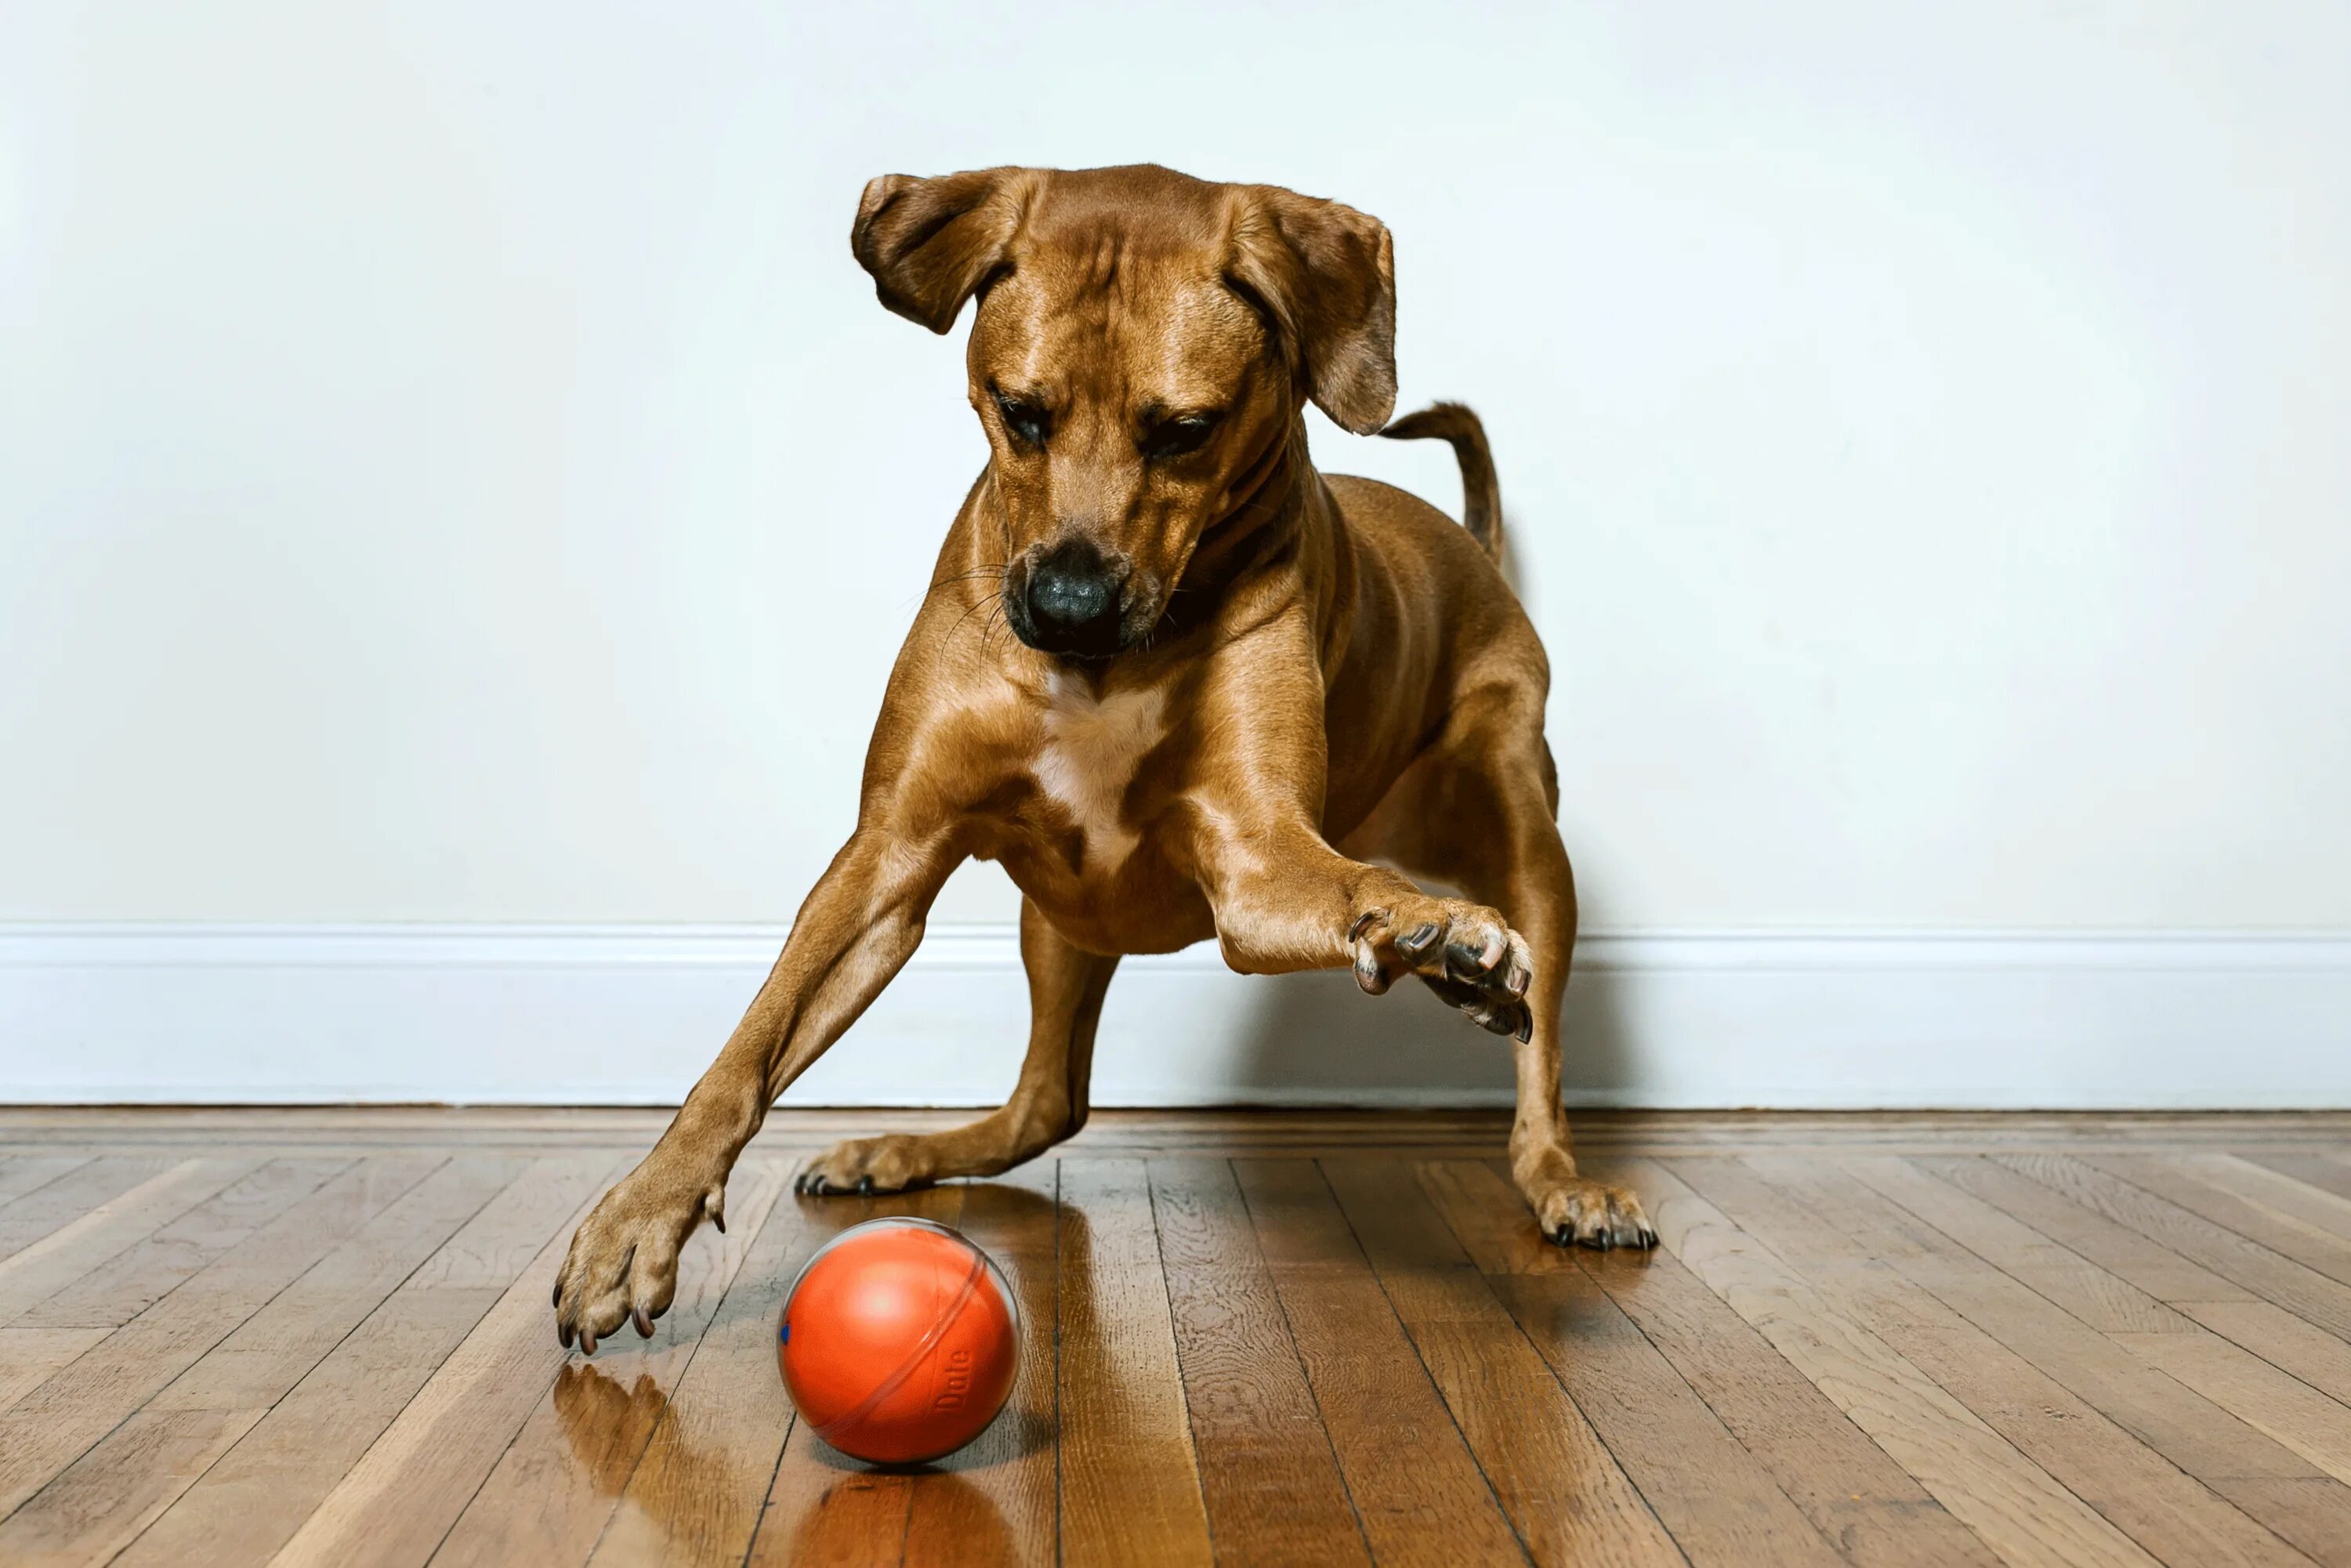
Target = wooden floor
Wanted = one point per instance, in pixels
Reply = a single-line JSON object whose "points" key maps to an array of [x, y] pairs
{"points": [[243, 1337]]}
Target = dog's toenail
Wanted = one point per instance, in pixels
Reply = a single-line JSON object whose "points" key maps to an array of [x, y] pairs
{"points": [[644, 1324], [1465, 961], [865, 1183], [1418, 939], [1364, 923]]}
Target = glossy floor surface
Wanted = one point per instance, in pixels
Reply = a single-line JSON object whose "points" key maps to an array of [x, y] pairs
{"points": [[323, 1337]]}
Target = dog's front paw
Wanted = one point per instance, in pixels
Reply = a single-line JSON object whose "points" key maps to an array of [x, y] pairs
{"points": [[623, 1265], [1575, 1211], [1466, 953], [889, 1164]]}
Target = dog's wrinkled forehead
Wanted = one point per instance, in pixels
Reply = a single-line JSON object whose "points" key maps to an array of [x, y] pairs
{"points": [[1144, 249], [1113, 301]]}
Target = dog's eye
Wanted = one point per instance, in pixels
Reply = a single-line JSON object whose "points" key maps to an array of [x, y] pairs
{"points": [[1028, 423], [1183, 433]]}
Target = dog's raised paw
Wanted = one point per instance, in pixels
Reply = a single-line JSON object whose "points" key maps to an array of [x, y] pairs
{"points": [[1466, 953]]}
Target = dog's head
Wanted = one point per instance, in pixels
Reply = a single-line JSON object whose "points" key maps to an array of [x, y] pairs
{"points": [[1144, 344]]}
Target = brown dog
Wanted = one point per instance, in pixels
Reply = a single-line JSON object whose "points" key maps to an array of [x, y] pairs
{"points": [[1232, 688]]}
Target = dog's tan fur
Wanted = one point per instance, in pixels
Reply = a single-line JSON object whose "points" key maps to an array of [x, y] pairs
{"points": [[1317, 678]]}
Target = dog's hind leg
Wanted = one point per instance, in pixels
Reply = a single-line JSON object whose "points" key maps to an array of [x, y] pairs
{"points": [[1066, 987], [1479, 812]]}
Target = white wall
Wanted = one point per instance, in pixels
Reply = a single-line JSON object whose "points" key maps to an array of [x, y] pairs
{"points": [[452, 470]]}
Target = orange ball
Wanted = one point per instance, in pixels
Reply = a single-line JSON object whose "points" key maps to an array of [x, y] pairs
{"points": [[899, 1341]]}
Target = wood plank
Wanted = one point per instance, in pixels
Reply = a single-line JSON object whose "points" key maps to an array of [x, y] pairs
{"points": [[250, 1501], [1416, 1487], [1130, 1487], [2313, 1203], [273, 1349], [822, 1505], [2021, 1512], [2301, 1290], [75, 1192], [1716, 1499], [136, 1279], [1267, 1473], [1563, 1492], [552, 1492], [57, 1422], [56, 1331], [21, 1173], [2282, 1340], [37, 1271], [2067, 1396], [1853, 1492], [2327, 1171], [110, 1493], [2289, 1410], [106, 1498], [398, 1502], [2122, 1251], [2286, 1218], [2097, 1296], [997, 1498]]}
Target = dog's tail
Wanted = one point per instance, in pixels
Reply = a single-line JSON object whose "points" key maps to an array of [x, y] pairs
{"points": [[1481, 492]]}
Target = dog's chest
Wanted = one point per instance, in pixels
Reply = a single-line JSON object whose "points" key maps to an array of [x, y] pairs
{"points": [[1092, 746]]}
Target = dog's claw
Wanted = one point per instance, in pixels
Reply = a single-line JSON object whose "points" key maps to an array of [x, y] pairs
{"points": [[1416, 941], [587, 1342], [864, 1185], [1648, 1239], [644, 1324]]}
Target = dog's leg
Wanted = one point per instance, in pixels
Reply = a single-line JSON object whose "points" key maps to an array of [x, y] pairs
{"points": [[1535, 883], [1285, 900], [1480, 812], [858, 927], [1066, 986]]}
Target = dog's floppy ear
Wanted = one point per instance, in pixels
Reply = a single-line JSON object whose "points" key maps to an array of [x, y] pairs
{"points": [[931, 243], [1326, 274]]}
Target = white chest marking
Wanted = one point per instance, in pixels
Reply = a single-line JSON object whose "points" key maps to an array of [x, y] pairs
{"points": [[1093, 747]]}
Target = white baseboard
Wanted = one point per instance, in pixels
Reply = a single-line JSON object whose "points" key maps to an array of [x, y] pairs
{"points": [[627, 1015]]}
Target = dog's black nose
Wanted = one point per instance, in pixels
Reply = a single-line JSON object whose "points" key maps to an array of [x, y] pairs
{"points": [[1072, 602]]}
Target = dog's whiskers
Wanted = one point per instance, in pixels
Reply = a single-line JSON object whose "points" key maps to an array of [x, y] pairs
{"points": [[985, 601]]}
